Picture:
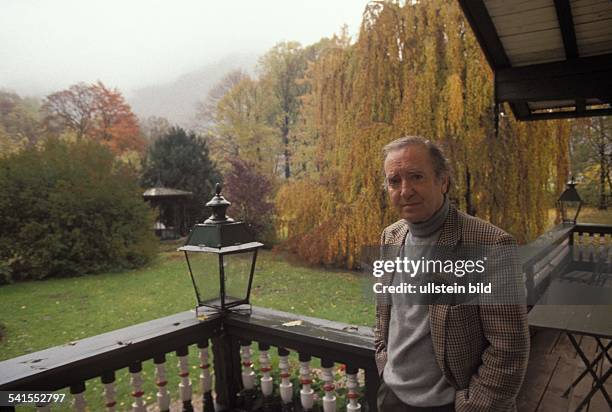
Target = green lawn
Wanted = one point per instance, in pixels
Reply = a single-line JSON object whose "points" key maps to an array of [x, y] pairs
{"points": [[41, 314]]}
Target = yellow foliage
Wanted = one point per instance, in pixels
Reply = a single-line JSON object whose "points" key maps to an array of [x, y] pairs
{"points": [[415, 69]]}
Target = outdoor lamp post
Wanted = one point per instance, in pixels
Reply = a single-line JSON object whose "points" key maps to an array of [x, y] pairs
{"points": [[221, 255], [569, 203]]}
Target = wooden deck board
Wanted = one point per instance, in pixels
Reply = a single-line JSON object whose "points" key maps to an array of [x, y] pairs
{"points": [[553, 365]]}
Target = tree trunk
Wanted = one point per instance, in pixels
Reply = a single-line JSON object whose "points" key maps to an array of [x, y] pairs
{"points": [[602, 176], [286, 146], [469, 207]]}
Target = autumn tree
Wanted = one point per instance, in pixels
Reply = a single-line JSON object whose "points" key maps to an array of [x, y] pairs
{"points": [[282, 69], [206, 110], [96, 112], [250, 193], [20, 125], [416, 69], [592, 147], [154, 127], [239, 115]]}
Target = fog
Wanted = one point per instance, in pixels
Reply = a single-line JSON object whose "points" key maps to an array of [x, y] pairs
{"points": [[49, 45]]}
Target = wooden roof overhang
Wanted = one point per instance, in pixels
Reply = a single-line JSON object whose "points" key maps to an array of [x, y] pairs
{"points": [[551, 58]]}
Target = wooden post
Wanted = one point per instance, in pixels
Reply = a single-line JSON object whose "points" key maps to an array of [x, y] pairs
{"points": [[226, 354], [372, 382]]}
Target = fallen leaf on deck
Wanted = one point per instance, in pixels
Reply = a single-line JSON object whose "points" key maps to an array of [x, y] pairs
{"points": [[293, 323]]}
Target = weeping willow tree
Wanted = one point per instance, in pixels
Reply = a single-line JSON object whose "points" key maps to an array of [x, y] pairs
{"points": [[416, 69]]}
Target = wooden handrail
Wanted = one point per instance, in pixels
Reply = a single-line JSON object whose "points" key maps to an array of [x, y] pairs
{"points": [[71, 364], [61, 366], [595, 228]]}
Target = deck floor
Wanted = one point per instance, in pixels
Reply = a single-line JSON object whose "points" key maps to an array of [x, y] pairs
{"points": [[553, 365]]}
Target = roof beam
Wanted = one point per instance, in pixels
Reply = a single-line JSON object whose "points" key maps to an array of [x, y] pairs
{"points": [[568, 114], [477, 15], [566, 23], [588, 77], [520, 109]]}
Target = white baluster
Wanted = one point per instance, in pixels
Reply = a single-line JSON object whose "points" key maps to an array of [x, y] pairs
{"points": [[110, 401], [137, 392], [329, 400], [352, 385], [266, 369], [286, 386], [248, 375], [78, 393], [306, 393], [205, 377], [185, 389], [163, 395]]}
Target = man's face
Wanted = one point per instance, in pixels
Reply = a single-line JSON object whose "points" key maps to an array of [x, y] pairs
{"points": [[413, 188]]}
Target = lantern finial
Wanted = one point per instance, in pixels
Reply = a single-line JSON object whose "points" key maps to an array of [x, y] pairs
{"points": [[219, 205]]}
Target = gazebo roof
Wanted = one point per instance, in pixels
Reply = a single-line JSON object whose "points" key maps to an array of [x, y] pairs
{"points": [[551, 58], [158, 192]]}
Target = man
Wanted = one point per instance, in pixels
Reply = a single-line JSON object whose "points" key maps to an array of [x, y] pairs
{"points": [[441, 358]]}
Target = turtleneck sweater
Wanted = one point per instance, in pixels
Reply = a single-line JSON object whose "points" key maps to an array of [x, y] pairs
{"points": [[412, 372], [431, 225]]}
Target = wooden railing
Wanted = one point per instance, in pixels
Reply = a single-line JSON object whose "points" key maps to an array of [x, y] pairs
{"points": [[591, 252], [232, 335], [565, 250], [70, 366]]}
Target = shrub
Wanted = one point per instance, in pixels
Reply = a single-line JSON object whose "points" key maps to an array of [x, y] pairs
{"points": [[249, 191], [70, 208]]}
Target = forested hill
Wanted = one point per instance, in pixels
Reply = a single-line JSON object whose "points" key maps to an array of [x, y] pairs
{"points": [[176, 100]]}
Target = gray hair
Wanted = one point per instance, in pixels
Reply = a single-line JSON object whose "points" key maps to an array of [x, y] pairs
{"points": [[441, 164]]}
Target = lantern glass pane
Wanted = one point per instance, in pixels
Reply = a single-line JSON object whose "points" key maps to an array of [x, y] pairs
{"points": [[570, 211], [237, 269], [205, 270]]}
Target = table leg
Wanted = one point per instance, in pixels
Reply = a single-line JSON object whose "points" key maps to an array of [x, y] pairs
{"points": [[598, 381], [594, 389], [604, 351]]}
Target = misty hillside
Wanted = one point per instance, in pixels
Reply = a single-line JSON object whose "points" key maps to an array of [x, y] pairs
{"points": [[176, 101]]}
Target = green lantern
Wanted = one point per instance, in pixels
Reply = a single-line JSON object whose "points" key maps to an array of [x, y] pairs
{"points": [[570, 203], [221, 255]]}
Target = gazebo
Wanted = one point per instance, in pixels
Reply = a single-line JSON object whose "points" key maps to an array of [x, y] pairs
{"points": [[171, 222]]}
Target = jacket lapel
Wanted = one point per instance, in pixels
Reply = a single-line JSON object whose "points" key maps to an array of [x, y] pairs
{"points": [[449, 238]]}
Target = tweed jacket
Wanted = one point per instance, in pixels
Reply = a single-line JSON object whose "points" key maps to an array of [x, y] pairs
{"points": [[482, 350]]}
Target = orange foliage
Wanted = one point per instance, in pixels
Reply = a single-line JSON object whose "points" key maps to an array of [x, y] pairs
{"points": [[96, 112]]}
